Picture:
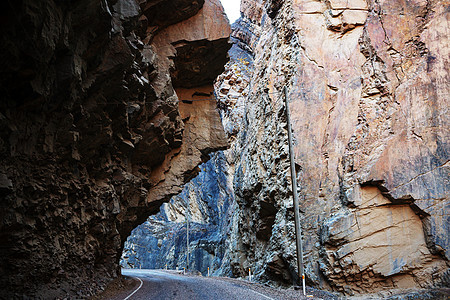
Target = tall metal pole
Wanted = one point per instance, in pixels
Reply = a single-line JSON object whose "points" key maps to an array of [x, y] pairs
{"points": [[187, 235], [298, 228]]}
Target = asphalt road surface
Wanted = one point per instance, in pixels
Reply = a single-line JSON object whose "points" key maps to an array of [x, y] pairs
{"points": [[160, 284]]}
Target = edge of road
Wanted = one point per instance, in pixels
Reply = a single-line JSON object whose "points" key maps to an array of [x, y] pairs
{"points": [[118, 288], [140, 285], [264, 290]]}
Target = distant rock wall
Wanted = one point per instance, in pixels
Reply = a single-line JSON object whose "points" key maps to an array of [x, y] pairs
{"points": [[92, 136], [160, 242]]}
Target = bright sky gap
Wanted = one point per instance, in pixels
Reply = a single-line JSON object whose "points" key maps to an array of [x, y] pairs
{"points": [[232, 9]]}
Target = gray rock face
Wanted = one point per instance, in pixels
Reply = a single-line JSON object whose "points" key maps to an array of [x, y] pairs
{"points": [[254, 119], [161, 239], [160, 242]]}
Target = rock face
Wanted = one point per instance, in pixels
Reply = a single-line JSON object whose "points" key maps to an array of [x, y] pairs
{"points": [[367, 84], [377, 241], [92, 135], [160, 242]]}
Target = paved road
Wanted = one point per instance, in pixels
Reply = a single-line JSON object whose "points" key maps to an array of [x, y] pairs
{"points": [[159, 284]]}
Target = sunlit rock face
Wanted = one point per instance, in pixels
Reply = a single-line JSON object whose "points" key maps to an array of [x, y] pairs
{"points": [[375, 241], [92, 137], [367, 84]]}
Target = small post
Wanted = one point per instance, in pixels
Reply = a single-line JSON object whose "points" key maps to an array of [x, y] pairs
{"points": [[184, 271], [187, 233], [166, 266], [249, 274], [208, 271], [298, 228]]}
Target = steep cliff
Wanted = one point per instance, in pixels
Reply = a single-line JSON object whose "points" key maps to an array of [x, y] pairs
{"points": [[207, 200], [368, 85], [213, 213], [93, 137]]}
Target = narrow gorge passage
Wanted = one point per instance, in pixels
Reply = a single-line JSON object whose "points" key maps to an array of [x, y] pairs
{"points": [[94, 135], [120, 120], [374, 197], [171, 285]]}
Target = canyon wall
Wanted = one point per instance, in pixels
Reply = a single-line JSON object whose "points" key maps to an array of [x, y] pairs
{"points": [[160, 242], [94, 134], [368, 86], [368, 90]]}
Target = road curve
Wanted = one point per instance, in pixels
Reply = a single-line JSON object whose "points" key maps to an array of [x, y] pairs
{"points": [[160, 284]]}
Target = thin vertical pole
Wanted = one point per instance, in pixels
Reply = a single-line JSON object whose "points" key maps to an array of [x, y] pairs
{"points": [[187, 235], [298, 228]]}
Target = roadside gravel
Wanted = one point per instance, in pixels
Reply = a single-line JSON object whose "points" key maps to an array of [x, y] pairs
{"points": [[278, 293]]}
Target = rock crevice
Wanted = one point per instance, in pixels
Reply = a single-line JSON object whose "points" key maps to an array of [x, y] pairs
{"points": [[89, 116], [368, 90]]}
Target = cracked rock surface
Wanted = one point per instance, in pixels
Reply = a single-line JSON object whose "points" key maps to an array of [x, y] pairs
{"points": [[92, 135], [368, 86], [160, 242]]}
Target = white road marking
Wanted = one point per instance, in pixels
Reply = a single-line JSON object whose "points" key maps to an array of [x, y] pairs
{"points": [[267, 297], [207, 278], [128, 297]]}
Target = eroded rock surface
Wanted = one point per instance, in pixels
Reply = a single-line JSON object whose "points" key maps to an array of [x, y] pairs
{"points": [[367, 83], [89, 118], [160, 242], [377, 240]]}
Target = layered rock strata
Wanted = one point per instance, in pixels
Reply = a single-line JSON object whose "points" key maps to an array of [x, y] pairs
{"points": [[207, 203], [160, 242], [367, 83], [92, 135]]}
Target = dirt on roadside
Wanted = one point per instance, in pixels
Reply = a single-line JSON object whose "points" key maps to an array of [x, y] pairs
{"points": [[122, 285]]}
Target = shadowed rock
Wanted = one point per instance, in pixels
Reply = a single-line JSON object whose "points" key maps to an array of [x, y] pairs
{"points": [[89, 116]]}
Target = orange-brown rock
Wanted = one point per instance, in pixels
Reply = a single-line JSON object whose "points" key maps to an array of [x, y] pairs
{"points": [[203, 132], [379, 245], [89, 117], [368, 84]]}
